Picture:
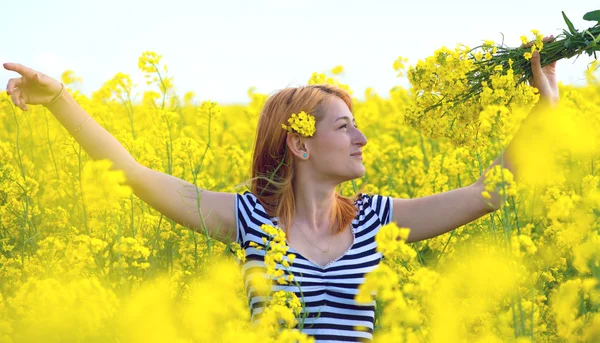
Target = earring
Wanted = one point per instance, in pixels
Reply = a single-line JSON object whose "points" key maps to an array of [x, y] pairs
{"points": [[304, 155]]}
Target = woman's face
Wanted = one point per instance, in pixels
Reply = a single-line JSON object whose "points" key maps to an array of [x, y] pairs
{"points": [[336, 147]]}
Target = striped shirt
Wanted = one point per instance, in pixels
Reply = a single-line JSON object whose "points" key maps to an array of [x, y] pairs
{"points": [[329, 291]]}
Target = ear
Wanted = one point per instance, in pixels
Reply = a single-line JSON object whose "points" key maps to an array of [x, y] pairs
{"points": [[296, 144]]}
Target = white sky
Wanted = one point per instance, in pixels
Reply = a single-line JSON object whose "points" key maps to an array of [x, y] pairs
{"points": [[220, 48]]}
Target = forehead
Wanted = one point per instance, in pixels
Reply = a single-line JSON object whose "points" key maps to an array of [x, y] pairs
{"points": [[336, 108]]}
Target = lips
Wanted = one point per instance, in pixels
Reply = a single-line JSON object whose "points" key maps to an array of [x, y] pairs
{"points": [[356, 154]]}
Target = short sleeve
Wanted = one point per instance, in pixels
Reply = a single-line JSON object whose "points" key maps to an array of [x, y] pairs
{"points": [[244, 211], [380, 205]]}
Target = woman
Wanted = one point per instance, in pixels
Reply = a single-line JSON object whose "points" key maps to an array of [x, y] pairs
{"points": [[295, 175]]}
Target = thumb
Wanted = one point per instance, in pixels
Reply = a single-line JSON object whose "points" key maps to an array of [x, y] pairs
{"points": [[41, 80], [536, 67]]}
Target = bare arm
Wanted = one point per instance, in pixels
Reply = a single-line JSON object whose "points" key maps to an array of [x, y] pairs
{"points": [[544, 79], [437, 214], [175, 198], [35, 88], [183, 202]]}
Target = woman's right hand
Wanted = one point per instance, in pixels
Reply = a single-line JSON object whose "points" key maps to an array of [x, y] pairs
{"points": [[33, 87]]}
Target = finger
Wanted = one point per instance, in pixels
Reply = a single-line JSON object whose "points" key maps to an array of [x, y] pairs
{"points": [[19, 68], [536, 67], [40, 79], [18, 100], [528, 44], [22, 101], [12, 84], [548, 39], [14, 97]]}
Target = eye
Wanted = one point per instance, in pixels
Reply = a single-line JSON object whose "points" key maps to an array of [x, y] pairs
{"points": [[346, 126]]}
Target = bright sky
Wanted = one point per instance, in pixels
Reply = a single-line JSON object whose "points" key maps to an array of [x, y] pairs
{"points": [[219, 48]]}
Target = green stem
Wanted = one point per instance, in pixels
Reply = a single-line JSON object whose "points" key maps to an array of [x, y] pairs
{"points": [[80, 167]]}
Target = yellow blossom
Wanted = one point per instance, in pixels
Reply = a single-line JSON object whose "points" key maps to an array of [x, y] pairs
{"points": [[302, 123]]}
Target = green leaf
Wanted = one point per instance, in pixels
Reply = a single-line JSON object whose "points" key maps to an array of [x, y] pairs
{"points": [[569, 24], [592, 16], [593, 40]]}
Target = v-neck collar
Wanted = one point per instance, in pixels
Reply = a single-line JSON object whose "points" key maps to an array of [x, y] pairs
{"points": [[275, 222]]}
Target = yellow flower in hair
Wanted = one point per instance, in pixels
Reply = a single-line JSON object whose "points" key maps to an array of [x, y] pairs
{"points": [[302, 123]]}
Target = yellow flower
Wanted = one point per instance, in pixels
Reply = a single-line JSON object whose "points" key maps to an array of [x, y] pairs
{"points": [[302, 123], [500, 179], [149, 62], [240, 253], [69, 77], [103, 187], [399, 65], [337, 70], [524, 39]]}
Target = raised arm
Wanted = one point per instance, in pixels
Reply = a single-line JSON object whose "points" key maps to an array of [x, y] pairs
{"points": [[175, 198], [437, 214], [180, 201]]}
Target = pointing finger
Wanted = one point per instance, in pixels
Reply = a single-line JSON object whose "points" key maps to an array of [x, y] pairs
{"points": [[19, 68], [12, 84]]}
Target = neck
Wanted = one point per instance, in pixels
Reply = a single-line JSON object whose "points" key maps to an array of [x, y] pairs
{"points": [[314, 203]]}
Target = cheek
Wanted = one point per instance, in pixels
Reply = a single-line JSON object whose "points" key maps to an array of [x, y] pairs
{"points": [[331, 146], [331, 149]]}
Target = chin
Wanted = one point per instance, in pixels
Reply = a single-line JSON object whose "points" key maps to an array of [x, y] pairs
{"points": [[351, 173], [359, 173], [346, 178]]}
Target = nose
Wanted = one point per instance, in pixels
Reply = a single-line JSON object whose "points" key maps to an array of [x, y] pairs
{"points": [[360, 139]]}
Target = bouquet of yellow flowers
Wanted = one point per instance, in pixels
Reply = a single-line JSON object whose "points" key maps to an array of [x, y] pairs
{"points": [[568, 44], [452, 88]]}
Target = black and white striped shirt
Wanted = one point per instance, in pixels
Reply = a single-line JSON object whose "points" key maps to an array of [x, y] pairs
{"points": [[328, 291]]}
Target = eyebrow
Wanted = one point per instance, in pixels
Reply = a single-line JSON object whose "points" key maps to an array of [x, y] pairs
{"points": [[346, 117]]}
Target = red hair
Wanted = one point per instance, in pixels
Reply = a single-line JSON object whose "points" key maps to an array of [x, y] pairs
{"points": [[273, 165]]}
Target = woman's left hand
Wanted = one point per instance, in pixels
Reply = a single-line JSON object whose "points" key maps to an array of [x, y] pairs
{"points": [[544, 79]]}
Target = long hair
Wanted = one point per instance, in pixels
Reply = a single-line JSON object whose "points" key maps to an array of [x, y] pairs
{"points": [[273, 165]]}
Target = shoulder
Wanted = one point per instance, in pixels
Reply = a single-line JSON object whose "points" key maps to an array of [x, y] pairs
{"points": [[246, 201], [250, 216], [364, 200], [377, 205], [248, 205]]}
